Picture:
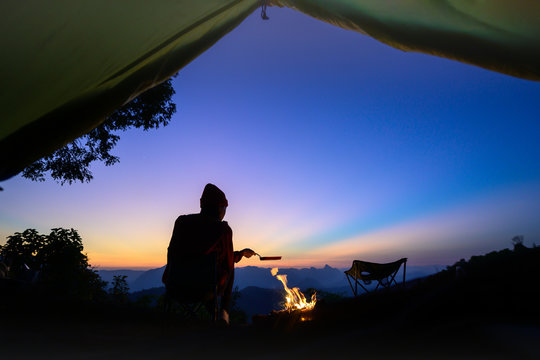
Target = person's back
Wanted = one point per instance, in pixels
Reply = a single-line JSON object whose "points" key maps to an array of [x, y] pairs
{"points": [[197, 235]]}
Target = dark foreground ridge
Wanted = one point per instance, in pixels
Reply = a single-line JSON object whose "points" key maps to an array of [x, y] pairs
{"points": [[484, 308]]}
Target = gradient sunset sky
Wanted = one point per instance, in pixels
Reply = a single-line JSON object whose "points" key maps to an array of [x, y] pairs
{"points": [[330, 147]]}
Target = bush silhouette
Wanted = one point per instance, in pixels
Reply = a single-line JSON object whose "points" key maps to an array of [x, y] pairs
{"points": [[120, 289], [55, 263]]}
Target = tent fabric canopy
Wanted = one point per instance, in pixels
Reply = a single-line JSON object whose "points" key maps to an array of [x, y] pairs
{"points": [[68, 64], [500, 35]]}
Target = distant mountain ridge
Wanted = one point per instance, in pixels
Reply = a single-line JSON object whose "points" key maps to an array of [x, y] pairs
{"points": [[303, 278], [108, 275], [149, 279], [325, 278]]}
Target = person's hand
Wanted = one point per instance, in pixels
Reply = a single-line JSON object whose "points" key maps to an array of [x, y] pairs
{"points": [[248, 253]]}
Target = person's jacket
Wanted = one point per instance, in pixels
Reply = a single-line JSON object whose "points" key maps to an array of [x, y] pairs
{"points": [[195, 235]]}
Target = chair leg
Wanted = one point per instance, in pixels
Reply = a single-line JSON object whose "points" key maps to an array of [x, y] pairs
{"points": [[214, 314], [362, 286], [190, 311], [215, 306], [352, 289], [404, 270], [393, 278]]}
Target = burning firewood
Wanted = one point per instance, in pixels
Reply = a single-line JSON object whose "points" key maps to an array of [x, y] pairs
{"points": [[295, 299], [296, 308]]}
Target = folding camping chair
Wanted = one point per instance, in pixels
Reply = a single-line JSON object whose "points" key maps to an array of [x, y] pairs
{"points": [[192, 285], [366, 272]]}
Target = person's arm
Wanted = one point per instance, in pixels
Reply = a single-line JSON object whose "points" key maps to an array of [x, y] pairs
{"points": [[243, 253]]}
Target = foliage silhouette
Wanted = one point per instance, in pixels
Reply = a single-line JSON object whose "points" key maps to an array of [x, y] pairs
{"points": [[21, 251], [517, 241], [237, 315], [71, 163], [55, 262], [120, 289]]}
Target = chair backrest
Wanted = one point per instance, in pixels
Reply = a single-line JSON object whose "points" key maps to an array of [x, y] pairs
{"points": [[364, 270], [194, 279]]}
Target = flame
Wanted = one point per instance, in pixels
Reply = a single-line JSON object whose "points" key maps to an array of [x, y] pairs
{"points": [[294, 300]]}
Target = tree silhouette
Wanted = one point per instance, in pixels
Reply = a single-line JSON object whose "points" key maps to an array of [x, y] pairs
{"points": [[120, 289], [56, 262], [71, 163], [517, 241], [21, 251]]}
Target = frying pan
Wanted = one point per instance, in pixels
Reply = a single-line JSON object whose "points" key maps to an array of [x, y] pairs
{"points": [[263, 258]]}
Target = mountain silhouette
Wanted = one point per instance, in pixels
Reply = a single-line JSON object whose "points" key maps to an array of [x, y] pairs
{"points": [[149, 279], [326, 278]]}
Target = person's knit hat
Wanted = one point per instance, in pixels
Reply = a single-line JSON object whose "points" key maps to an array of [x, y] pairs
{"points": [[212, 196]]}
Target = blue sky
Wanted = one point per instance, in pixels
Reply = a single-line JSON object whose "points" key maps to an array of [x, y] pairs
{"points": [[330, 147]]}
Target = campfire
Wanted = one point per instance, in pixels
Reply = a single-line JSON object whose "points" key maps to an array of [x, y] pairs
{"points": [[294, 300], [295, 308]]}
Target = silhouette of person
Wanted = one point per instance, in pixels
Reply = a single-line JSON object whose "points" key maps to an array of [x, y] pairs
{"points": [[200, 234]]}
